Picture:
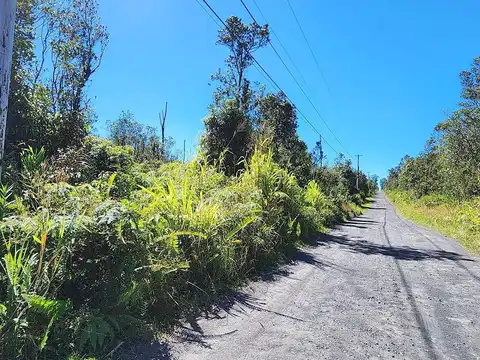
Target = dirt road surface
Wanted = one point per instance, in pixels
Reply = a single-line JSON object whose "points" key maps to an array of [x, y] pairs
{"points": [[377, 287]]}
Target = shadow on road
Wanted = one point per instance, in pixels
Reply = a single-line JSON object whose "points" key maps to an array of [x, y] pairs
{"points": [[360, 220], [238, 303], [154, 350], [397, 252]]}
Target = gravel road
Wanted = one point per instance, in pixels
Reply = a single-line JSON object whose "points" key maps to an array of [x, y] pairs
{"points": [[377, 287]]}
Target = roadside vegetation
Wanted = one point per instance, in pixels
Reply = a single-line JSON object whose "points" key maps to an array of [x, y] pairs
{"points": [[440, 188], [105, 240]]}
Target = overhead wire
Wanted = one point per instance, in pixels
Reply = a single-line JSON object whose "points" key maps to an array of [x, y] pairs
{"points": [[272, 81], [280, 42], [308, 44], [298, 84], [321, 72], [208, 13]]}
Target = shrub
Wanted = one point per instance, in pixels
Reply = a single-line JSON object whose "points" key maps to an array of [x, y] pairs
{"points": [[142, 244]]}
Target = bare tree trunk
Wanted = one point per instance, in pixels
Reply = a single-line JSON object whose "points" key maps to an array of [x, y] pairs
{"points": [[7, 23]]}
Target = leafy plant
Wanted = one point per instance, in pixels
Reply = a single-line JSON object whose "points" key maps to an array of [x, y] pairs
{"points": [[6, 193]]}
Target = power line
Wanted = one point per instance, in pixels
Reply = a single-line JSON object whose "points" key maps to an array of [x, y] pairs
{"points": [[306, 40], [302, 115], [281, 44], [296, 81], [274, 49], [323, 77], [208, 13], [269, 78]]}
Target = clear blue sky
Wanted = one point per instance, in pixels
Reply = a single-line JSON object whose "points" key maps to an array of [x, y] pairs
{"points": [[392, 67]]}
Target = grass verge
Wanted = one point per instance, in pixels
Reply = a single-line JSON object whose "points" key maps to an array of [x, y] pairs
{"points": [[460, 221]]}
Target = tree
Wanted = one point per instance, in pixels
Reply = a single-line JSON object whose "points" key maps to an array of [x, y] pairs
{"points": [[372, 184], [78, 42], [470, 81], [19, 100], [459, 145], [382, 183], [228, 126], [242, 41], [146, 144], [278, 123], [227, 135], [318, 156], [50, 107], [343, 167]]}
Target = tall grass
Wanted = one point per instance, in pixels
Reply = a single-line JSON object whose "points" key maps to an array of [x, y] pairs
{"points": [[87, 266], [458, 220]]}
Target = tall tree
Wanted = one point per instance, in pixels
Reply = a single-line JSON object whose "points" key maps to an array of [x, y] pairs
{"points": [[470, 81], [228, 126], [318, 156], [50, 106], [242, 41], [78, 42], [278, 122]]}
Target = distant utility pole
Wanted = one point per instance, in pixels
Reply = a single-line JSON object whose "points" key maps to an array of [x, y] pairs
{"points": [[321, 151], [358, 172], [184, 141], [7, 25]]}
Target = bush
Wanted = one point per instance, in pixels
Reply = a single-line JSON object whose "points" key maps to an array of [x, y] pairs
{"points": [[139, 245], [434, 200]]}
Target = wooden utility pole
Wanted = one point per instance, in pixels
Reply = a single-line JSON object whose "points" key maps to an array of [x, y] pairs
{"points": [[7, 25], [184, 157], [358, 172], [163, 118], [321, 152]]}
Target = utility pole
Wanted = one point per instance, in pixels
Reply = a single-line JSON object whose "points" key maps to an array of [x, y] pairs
{"points": [[7, 26], [184, 141], [358, 172], [321, 152]]}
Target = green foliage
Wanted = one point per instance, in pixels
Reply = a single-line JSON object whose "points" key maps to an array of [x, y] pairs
{"points": [[324, 206], [33, 162], [278, 123], [145, 142], [459, 152], [26, 317], [450, 163], [442, 213], [33, 175], [5, 200], [58, 46], [125, 261], [109, 239], [339, 182], [227, 135]]}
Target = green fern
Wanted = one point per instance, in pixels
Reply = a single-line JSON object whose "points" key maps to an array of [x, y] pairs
{"points": [[6, 193], [53, 308]]}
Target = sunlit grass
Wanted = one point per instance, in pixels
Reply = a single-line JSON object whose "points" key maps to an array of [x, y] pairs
{"points": [[460, 221]]}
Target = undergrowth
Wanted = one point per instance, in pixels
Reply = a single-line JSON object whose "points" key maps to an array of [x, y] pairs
{"points": [[110, 250], [459, 220]]}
